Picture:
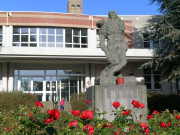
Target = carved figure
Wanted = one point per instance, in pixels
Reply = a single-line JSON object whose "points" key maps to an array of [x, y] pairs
{"points": [[115, 50]]}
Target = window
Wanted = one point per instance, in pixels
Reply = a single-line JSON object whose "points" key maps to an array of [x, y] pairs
{"points": [[50, 37], [73, 5], [149, 43], [76, 38], [78, 5], [0, 36], [25, 37], [152, 79], [98, 39]]}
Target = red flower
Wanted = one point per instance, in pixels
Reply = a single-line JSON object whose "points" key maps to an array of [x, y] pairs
{"points": [[39, 104], [116, 104], [54, 113], [146, 131], [76, 113], [126, 113], [49, 120], [155, 112], [31, 114], [149, 117], [108, 126], [142, 105], [9, 129], [121, 133], [143, 125], [169, 123], [178, 117], [88, 101], [140, 115], [73, 123], [136, 103], [90, 114], [83, 115], [162, 124], [89, 128], [115, 133]]}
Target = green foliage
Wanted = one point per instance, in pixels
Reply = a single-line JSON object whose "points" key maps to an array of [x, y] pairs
{"points": [[11, 100], [160, 102], [167, 30], [78, 102]]}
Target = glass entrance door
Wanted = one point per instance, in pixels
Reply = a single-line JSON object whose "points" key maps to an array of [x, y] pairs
{"points": [[51, 91], [65, 93]]}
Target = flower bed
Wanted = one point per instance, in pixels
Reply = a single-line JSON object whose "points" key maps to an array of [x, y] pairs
{"points": [[33, 121]]}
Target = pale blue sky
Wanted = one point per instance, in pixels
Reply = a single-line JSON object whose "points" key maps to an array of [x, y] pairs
{"points": [[90, 7]]}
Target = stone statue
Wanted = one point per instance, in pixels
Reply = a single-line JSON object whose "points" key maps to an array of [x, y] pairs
{"points": [[115, 50]]}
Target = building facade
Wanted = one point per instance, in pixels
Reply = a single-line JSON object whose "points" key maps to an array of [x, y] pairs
{"points": [[55, 54]]}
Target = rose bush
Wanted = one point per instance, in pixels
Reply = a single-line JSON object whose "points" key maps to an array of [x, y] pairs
{"points": [[33, 121]]}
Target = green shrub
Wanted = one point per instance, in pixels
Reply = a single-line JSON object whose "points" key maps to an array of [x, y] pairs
{"points": [[12, 100], [78, 102], [161, 102]]}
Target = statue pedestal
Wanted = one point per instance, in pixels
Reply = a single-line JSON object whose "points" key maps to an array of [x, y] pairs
{"points": [[103, 96]]}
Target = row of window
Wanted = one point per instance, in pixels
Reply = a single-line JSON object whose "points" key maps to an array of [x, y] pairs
{"points": [[50, 37]]}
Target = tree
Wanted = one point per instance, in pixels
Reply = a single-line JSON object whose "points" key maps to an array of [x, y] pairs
{"points": [[167, 31]]}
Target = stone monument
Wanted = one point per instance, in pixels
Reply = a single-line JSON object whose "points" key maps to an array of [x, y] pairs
{"points": [[105, 91], [115, 50]]}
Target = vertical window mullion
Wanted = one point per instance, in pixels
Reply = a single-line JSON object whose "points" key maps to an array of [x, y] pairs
{"points": [[72, 38], [64, 38]]}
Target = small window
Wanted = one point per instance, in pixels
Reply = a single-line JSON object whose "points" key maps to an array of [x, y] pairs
{"points": [[78, 5], [146, 41], [73, 5]]}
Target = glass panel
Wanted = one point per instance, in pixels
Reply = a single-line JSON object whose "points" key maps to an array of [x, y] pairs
{"points": [[15, 83], [146, 44], [147, 78], [37, 84], [51, 39], [42, 38], [24, 30], [59, 39], [59, 31], [84, 40], [26, 83], [157, 78], [60, 72], [39, 96], [76, 46], [68, 45], [16, 30], [65, 88], [83, 32], [157, 86], [59, 45], [31, 72], [83, 46], [32, 30], [51, 31], [16, 38], [0, 30], [33, 45], [42, 44], [54, 83], [24, 38], [42, 30], [16, 44], [51, 44], [73, 85], [50, 72], [76, 39], [148, 85], [15, 72], [33, 38], [156, 44], [48, 83], [0, 38], [68, 35], [76, 32], [24, 44]]}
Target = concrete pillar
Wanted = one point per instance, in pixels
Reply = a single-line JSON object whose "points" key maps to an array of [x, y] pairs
{"points": [[4, 77], [11, 77]]}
